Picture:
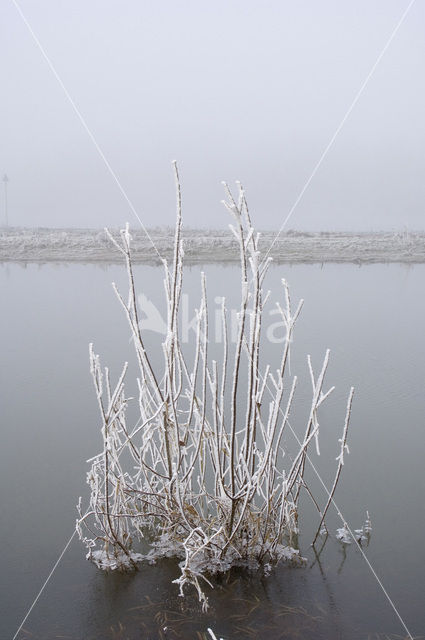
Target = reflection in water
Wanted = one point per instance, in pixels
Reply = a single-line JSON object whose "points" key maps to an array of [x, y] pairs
{"points": [[291, 603], [242, 606], [310, 603]]}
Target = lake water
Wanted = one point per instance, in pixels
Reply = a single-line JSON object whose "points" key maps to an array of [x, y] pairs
{"points": [[372, 319]]}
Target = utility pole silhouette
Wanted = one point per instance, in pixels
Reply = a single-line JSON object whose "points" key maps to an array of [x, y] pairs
{"points": [[6, 215]]}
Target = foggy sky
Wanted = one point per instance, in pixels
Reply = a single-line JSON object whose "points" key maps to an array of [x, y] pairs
{"points": [[232, 89]]}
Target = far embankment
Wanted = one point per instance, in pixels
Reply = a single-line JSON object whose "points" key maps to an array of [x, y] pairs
{"points": [[207, 246]]}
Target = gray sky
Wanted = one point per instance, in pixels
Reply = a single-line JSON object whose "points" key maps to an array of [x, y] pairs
{"points": [[235, 89]]}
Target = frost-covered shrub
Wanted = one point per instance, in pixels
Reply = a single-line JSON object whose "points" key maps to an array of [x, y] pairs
{"points": [[202, 475]]}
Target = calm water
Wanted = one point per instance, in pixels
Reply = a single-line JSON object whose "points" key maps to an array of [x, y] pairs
{"points": [[372, 319]]}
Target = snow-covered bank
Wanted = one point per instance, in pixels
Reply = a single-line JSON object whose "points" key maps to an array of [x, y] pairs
{"points": [[202, 246]]}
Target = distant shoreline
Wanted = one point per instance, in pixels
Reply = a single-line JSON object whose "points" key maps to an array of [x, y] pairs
{"points": [[210, 246]]}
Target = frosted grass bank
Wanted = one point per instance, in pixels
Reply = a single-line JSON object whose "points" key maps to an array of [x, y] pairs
{"points": [[211, 246]]}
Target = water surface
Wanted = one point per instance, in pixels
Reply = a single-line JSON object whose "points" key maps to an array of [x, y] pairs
{"points": [[372, 319]]}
